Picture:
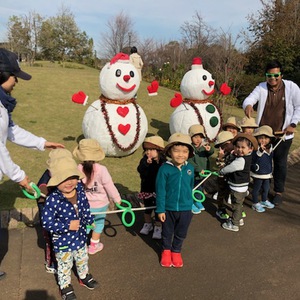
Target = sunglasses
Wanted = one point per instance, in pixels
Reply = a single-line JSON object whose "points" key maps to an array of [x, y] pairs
{"points": [[270, 75]]}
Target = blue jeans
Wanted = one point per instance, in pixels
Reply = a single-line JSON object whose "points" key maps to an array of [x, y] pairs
{"points": [[264, 186], [174, 229], [280, 164]]}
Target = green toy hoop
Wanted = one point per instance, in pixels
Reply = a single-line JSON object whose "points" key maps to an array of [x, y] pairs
{"points": [[202, 195], [35, 195], [127, 210]]}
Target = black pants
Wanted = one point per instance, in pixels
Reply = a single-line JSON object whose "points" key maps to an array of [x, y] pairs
{"points": [[174, 229], [280, 164]]}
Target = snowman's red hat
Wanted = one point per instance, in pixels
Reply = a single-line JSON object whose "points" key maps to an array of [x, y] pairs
{"points": [[197, 63], [120, 57]]}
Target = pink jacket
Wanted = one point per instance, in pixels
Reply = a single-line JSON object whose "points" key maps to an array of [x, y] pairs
{"points": [[101, 188]]}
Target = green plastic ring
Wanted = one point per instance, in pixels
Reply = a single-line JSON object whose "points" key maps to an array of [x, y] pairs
{"points": [[205, 173], [202, 195], [127, 210], [35, 195]]}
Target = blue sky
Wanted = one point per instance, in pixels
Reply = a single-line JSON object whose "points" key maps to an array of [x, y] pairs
{"points": [[158, 19]]}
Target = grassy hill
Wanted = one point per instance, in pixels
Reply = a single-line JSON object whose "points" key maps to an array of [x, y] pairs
{"points": [[45, 109]]}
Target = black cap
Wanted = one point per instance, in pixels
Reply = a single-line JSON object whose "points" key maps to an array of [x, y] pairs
{"points": [[9, 63]]}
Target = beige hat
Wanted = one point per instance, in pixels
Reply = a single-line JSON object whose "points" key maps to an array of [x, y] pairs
{"points": [[196, 129], [249, 137], [231, 121], [180, 139], [153, 142], [248, 122], [264, 130], [89, 149], [62, 169], [58, 153], [223, 136]]}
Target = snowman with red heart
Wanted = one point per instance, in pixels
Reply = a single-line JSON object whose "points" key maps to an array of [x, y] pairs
{"points": [[116, 121], [193, 104]]}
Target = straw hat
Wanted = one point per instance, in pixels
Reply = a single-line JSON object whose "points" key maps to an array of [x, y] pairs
{"points": [[153, 142], [223, 136], [248, 122], [62, 169], [180, 139], [249, 137], [89, 149], [231, 121], [58, 153], [264, 130], [196, 129]]}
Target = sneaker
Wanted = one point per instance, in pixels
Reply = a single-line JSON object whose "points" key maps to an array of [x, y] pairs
{"points": [[215, 196], [95, 248], [221, 213], [228, 225], [68, 293], [244, 214], [200, 206], [50, 269], [166, 260], [196, 210], [89, 282], [267, 204], [241, 222], [157, 233], [277, 200], [146, 228], [258, 207], [177, 261]]}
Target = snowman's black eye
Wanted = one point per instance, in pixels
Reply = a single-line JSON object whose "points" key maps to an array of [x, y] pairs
{"points": [[204, 77], [118, 72], [131, 74]]}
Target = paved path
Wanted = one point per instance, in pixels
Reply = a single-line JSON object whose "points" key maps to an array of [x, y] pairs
{"points": [[261, 261]]}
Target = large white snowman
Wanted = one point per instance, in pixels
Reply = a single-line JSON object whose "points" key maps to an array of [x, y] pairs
{"points": [[196, 87], [115, 120]]}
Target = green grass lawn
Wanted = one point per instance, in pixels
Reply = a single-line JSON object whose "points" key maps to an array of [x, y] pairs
{"points": [[45, 109]]}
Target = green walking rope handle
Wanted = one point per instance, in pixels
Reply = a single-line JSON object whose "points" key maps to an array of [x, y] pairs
{"points": [[126, 210], [37, 192]]}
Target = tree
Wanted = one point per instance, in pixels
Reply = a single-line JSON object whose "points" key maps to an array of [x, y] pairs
{"points": [[119, 36], [60, 39], [275, 34]]}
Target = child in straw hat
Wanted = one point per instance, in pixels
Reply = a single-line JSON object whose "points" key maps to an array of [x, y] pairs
{"points": [[148, 168], [50, 260], [200, 160], [174, 185], [232, 126], [248, 125], [262, 168], [65, 215], [237, 174], [99, 187], [225, 146]]}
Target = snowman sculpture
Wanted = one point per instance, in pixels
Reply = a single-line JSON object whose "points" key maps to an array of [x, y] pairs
{"points": [[193, 104], [116, 121]]}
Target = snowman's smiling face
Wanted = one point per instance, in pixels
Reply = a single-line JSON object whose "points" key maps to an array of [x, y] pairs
{"points": [[197, 84], [119, 81]]}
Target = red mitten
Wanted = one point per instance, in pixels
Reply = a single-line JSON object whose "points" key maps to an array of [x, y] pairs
{"points": [[225, 89], [176, 101], [80, 98], [152, 89]]}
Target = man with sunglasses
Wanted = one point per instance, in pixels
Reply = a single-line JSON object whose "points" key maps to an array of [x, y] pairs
{"points": [[278, 105]]}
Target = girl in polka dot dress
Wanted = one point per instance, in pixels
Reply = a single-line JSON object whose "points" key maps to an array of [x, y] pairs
{"points": [[66, 215]]}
